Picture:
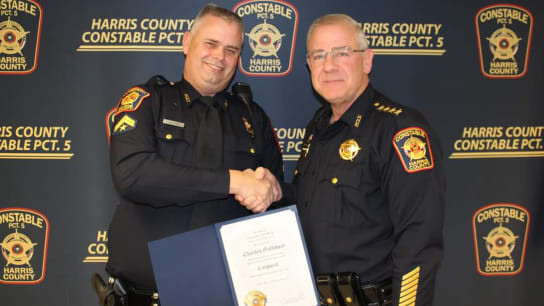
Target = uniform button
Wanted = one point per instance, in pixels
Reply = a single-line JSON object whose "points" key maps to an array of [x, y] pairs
{"points": [[168, 136], [334, 180], [296, 171], [252, 151], [330, 301], [349, 300]]}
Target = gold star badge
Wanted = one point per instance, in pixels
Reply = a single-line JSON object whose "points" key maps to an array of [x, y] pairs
{"points": [[349, 149]]}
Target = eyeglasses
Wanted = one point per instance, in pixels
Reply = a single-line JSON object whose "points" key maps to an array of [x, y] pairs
{"points": [[338, 54]]}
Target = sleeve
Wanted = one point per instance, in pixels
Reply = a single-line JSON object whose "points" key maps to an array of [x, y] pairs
{"points": [[273, 159], [414, 183], [141, 175]]}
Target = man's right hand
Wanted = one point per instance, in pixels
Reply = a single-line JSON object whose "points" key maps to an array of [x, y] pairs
{"points": [[256, 190]]}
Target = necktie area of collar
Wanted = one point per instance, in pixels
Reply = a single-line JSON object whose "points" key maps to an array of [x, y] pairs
{"points": [[208, 100], [209, 143]]}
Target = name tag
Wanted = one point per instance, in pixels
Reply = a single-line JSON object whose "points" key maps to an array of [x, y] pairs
{"points": [[174, 123]]}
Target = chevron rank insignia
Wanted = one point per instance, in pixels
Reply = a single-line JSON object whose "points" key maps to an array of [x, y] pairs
{"points": [[125, 124], [131, 100]]}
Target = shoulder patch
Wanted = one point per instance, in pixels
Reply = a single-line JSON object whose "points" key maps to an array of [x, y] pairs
{"points": [[125, 124], [414, 150], [387, 109], [131, 100]]}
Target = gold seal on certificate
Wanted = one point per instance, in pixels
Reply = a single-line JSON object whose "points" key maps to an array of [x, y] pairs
{"points": [[255, 298]]}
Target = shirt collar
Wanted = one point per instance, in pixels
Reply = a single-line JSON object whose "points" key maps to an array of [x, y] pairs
{"points": [[190, 94], [359, 108]]}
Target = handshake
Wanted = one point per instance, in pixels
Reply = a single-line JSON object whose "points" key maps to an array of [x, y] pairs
{"points": [[255, 189]]}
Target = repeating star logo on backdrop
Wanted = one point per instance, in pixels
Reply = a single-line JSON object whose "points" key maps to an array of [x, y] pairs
{"points": [[271, 38], [24, 235], [504, 34], [500, 237], [20, 30]]}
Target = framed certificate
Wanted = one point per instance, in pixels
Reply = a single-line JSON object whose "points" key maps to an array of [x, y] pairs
{"points": [[259, 260]]}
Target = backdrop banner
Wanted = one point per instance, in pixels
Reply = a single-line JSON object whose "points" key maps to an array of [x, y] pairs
{"points": [[473, 68]]}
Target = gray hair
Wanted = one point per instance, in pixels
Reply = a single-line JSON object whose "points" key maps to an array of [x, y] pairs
{"points": [[217, 11], [331, 19]]}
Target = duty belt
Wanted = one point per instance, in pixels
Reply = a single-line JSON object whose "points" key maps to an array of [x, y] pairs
{"points": [[136, 296], [345, 289]]}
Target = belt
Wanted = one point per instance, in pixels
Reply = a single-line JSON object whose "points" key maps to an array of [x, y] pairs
{"points": [[140, 299], [377, 294], [128, 295], [344, 288]]}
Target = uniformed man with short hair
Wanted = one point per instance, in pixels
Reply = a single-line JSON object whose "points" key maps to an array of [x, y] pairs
{"points": [[179, 150], [370, 182]]}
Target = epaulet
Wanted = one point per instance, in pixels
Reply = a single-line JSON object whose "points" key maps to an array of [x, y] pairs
{"points": [[387, 108], [158, 80], [318, 113]]}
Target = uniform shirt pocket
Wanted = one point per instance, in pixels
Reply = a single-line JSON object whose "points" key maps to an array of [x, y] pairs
{"points": [[176, 144], [345, 180], [242, 153]]}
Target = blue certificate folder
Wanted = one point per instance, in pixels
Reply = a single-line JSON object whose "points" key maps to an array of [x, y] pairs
{"points": [[191, 268]]}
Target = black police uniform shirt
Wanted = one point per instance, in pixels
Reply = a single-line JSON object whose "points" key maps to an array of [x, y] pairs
{"points": [[152, 154], [370, 194]]}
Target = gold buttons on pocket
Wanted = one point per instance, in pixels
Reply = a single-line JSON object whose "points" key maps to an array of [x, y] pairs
{"points": [[252, 151], [168, 136], [334, 180]]}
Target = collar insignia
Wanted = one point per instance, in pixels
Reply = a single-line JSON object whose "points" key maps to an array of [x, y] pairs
{"points": [[306, 146], [358, 121], [387, 109]]}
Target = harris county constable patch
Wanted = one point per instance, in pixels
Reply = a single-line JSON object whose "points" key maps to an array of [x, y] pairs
{"points": [[24, 234], [131, 100], [414, 150], [500, 237]]}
